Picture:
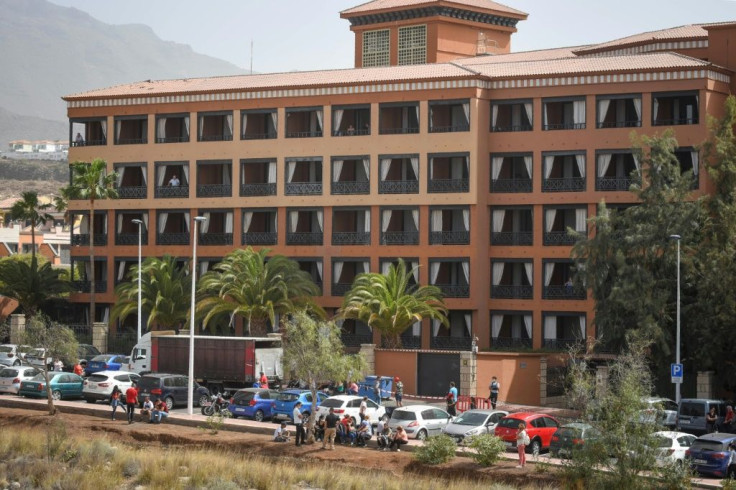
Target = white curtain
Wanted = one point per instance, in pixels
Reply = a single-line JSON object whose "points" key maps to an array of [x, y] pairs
{"points": [[161, 127], [203, 267], [635, 156], [226, 174], [200, 126], [293, 220], [337, 113], [386, 219], [244, 123], [436, 220], [121, 270], [582, 326], [162, 218], [385, 166], [416, 329], [228, 222], [367, 167], [496, 323], [366, 266], [655, 109], [103, 126], [466, 219], [498, 218], [604, 161], [336, 170], [581, 215], [121, 173], [549, 270], [186, 125], [87, 271], [229, 126], [186, 221], [528, 110], [105, 314], [550, 216], [435, 327], [415, 270], [275, 120], [637, 107], [367, 221], [603, 105], [320, 220], [466, 110], [494, 115], [204, 226], [580, 160], [434, 271], [337, 272], [578, 116], [319, 120], [545, 117], [120, 223], [247, 219], [549, 162], [271, 172], [385, 267], [550, 327], [319, 269], [185, 169], [469, 324], [529, 270], [466, 270], [696, 161], [415, 166], [498, 268], [290, 169], [161, 169], [528, 165], [144, 174], [145, 222], [528, 325], [415, 218], [416, 110], [496, 164]]}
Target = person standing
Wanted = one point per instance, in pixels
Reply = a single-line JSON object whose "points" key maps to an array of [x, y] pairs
{"points": [[452, 399], [299, 423], [131, 400], [522, 439], [399, 393], [174, 181], [264, 380], [115, 400], [377, 390], [58, 365], [78, 370], [494, 387], [331, 422], [711, 420], [363, 408]]}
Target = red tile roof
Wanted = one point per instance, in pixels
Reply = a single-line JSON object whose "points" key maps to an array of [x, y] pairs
{"points": [[382, 5], [537, 55], [689, 32]]}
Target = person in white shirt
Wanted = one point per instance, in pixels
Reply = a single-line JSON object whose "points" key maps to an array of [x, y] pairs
{"points": [[58, 365], [281, 434], [174, 182], [147, 410], [298, 418], [363, 408], [365, 432]]}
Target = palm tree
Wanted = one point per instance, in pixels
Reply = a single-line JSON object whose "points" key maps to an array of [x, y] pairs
{"points": [[246, 284], [91, 181], [165, 293], [389, 304], [30, 285], [28, 208]]}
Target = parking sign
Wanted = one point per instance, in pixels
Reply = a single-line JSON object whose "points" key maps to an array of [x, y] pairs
{"points": [[676, 372]]}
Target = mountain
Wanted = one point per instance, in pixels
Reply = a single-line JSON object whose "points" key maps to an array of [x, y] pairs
{"points": [[17, 127], [49, 51]]}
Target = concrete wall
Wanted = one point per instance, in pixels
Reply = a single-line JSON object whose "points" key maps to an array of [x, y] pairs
{"points": [[401, 363]]}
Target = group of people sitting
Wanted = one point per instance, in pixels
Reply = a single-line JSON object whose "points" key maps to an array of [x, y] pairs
{"points": [[153, 411]]}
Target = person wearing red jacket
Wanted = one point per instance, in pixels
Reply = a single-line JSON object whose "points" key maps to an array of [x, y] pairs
{"points": [[131, 400]]}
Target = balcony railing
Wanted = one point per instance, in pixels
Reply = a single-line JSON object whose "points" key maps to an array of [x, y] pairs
{"points": [[560, 344], [340, 288], [558, 238], [398, 131], [303, 188], [169, 191], [86, 286], [216, 137], [508, 343], [409, 342], [173, 139], [131, 238], [304, 238], [216, 238], [512, 292], [353, 340], [351, 187], [400, 238], [448, 185], [563, 292], [398, 187], [552, 127], [675, 122], [450, 129], [132, 141], [354, 132], [508, 129], [511, 185], [172, 238], [614, 183], [619, 124], [574, 184], [261, 189], [83, 239], [214, 190], [260, 238], [303, 134], [132, 192], [449, 237], [258, 136], [454, 290], [512, 238], [100, 142], [351, 238], [451, 343]]}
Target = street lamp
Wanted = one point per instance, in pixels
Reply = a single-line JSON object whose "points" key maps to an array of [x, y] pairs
{"points": [[190, 387], [677, 346], [140, 231]]}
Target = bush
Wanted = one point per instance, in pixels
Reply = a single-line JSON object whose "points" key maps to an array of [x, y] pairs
{"points": [[436, 450], [487, 449]]}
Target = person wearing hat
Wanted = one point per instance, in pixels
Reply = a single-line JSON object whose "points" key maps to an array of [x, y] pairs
{"points": [[399, 391], [281, 434]]}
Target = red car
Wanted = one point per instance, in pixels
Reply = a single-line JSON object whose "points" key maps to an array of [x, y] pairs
{"points": [[539, 427]]}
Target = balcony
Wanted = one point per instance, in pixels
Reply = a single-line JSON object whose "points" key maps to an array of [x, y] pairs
{"points": [[505, 291], [511, 173], [304, 238], [126, 232], [172, 180], [400, 238], [452, 277], [449, 237], [400, 118], [511, 116], [217, 228], [304, 122], [351, 238], [564, 173], [351, 120], [215, 126], [350, 175], [179, 238], [339, 289], [615, 171], [400, 226], [172, 128], [399, 175], [173, 228], [561, 344], [172, 192], [82, 239], [558, 220], [563, 114], [674, 109], [344, 273], [619, 112], [258, 124], [132, 181], [449, 226], [689, 160], [131, 238], [510, 343], [355, 340], [451, 343], [214, 179], [215, 238], [558, 291], [257, 178], [454, 290], [305, 227], [398, 187], [88, 132], [260, 227], [448, 173], [304, 177], [354, 187], [260, 238], [82, 286], [449, 116], [131, 130], [313, 267], [512, 238]]}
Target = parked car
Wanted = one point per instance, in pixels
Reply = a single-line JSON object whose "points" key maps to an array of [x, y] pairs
{"points": [[571, 437], [62, 385], [672, 446], [86, 353], [660, 411], [539, 426], [37, 358], [106, 362], [350, 405], [171, 388], [709, 455], [286, 400], [253, 403], [420, 421], [474, 422], [11, 377], [691, 417], [99, 386], [12, 355]]}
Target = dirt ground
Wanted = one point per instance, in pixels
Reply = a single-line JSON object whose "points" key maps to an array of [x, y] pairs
{"points": [[165, 435]]}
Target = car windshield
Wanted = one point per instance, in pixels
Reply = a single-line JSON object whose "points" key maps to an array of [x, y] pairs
{"points": [[705, 445], [403, 415], [662, 441], [6, 348], [97, 378], [102, 358], [509, 423], [332, 403], [8, 373], [243, 397], [474, 419], [147, 383], [288, 397], [570, 432], [41, 377]]}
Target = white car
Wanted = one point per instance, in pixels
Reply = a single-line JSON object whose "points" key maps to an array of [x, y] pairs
{"points": [[12, 355], [671, 446], [11, 377], [99, 386], [350, 405], [37, 358], [420, 421]]}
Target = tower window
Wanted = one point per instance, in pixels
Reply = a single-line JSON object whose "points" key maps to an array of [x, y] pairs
{"points": [[376, 48], [412, 45]]}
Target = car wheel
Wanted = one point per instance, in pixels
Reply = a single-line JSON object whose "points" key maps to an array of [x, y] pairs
{"points": [[258, 416], [169, 402], [56, 395], [535, 447], [90, 400], [17, 362], [203, 399], [422, 435]]}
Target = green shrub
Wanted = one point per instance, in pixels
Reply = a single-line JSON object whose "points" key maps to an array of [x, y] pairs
{"points": [[436, 450], [487, 449]]}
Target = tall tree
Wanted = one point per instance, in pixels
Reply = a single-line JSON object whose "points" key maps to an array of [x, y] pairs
{"points": [[165, 293], [90, 181], [29, 209], [31, 285], [391, 304], [251, 285]]}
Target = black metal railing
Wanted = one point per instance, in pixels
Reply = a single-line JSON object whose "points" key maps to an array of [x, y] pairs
{"points": [[173, 139], [216, 238], [449, 237], [411, 341], [172, 191], [511, 185], [351, 237], [675, 122], [614, 183], [132, 192], [572, 184], [449, 129], [86, 286], [354, 340], [351, 187], [512, 238], [304, 238], [510, 343], [214, 190], [398, 187], [400, 238], [555, 126], [303, 188], [181, 238], [407, 130], [509, 129], [131, 238], [260, 238], [132, 141], [512, 292], [215, 137], [560, 344], [83, 333], [258, 136], [448, 185], [340, 288], [451, 343], [303, 134], [353, 132], [122, 342], [83, 239], [558, 238], [454, 290], [260, 189], [619, 124], [562, 291], [100, 142]]}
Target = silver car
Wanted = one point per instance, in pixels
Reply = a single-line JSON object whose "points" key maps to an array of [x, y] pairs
{"points": [[473, 423], [12, 355], [12, 377], [420, 421]]}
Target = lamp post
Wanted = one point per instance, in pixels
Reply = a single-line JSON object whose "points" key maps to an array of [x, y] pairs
{"points": [[140, 232], [190, 387], [677, 346]]}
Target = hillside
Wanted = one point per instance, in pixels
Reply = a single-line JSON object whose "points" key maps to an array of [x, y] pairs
{"points": [[44, 177], [16, 127], [49, 51]]}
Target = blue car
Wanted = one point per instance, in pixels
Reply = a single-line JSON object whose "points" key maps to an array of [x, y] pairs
{"points": [[253, 403], [63, 385], [709, 455], [106, 362], [285, 401]]}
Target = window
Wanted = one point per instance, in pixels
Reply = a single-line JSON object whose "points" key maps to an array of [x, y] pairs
{"points": [[412, 45], [376, 48]]}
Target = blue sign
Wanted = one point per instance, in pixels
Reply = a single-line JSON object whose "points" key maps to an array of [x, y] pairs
{"points": [[676, 372]]}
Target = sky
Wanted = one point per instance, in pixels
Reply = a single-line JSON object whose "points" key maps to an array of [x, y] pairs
{"points": [[289, 35]]}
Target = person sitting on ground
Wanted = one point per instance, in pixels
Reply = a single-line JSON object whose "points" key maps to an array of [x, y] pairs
{"points": [[281, 434], [319, 429], [147, 410], [353, 388], [349, 433], [160, 411], [383, 434], [365, 431], [399, 439]]}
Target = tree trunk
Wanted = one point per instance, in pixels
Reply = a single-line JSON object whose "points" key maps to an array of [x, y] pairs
{"points": [[391, 340], [49, 397], [312, 412], [258, 327], [33, 245], [92, 285]]}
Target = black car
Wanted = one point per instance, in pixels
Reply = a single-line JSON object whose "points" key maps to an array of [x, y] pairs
{"points": [[171, 388]]}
